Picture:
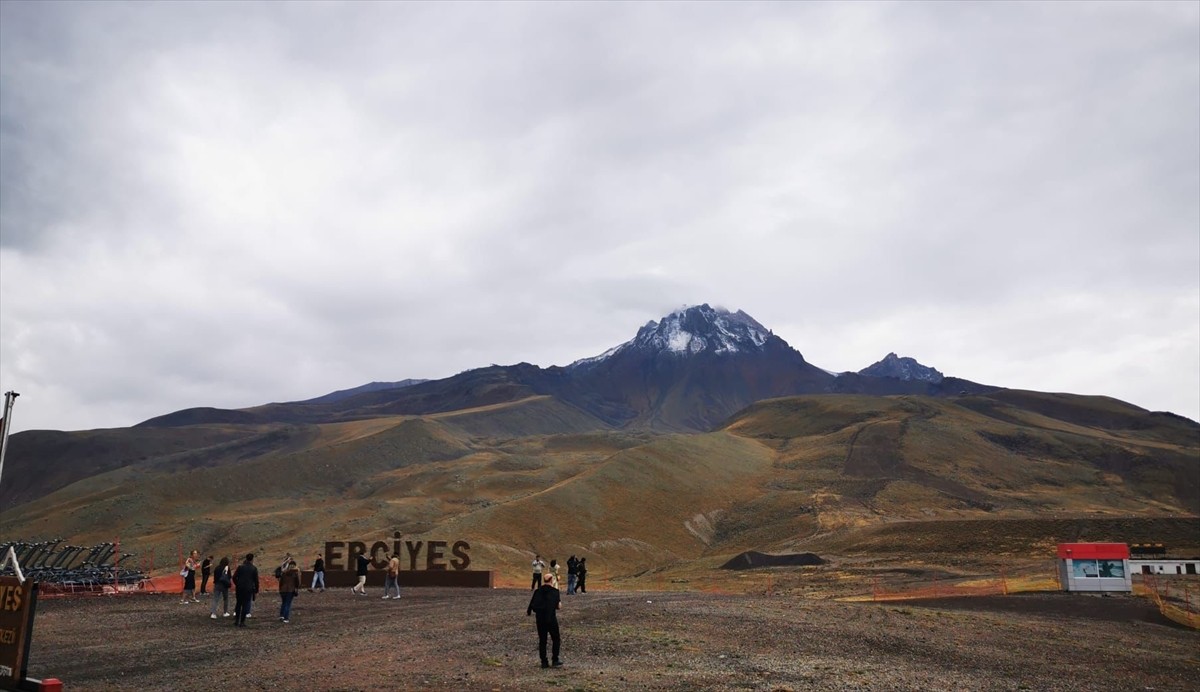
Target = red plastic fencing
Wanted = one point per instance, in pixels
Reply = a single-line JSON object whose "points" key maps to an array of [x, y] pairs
{"points": [[169, 584], [1177, 599]]}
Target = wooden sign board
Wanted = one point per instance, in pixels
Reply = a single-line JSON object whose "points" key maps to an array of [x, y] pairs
{"points": [[17, 603]]}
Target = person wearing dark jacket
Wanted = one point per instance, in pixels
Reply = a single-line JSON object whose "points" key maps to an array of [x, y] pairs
{"points": [[245, 584], [581, 573], [572, 574], [205, 571], [222, 580], [361, 587], [318, 574], [289, 585], [545, 603]]}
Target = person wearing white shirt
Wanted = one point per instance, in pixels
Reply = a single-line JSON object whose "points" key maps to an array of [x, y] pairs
{"points": [[538, 566]]}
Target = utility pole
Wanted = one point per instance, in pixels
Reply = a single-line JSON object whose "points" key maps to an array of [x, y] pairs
{"points": [[5, 424]]}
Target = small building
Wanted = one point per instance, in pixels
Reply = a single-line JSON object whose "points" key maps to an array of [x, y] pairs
{"points": [[1094, 567], [1165, 565]]}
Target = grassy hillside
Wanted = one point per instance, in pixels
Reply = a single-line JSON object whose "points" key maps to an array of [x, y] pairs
{"points": [[851, 477]]}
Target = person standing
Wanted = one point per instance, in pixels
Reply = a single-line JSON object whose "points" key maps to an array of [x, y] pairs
{"points": [[283, 565], [289, 584], [318, 573], [222, 580], [581, 572], [393, 577], [189, 577], [538, 566], [205, 570], [572, 574], [545, 603], [554, 571], [361, 587], [245, 585]]}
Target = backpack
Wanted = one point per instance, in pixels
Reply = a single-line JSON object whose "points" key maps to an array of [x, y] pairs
{"points": [[278, 572]]}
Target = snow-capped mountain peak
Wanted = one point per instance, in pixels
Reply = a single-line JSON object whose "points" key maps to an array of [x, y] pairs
{"points": [[902, 369], [694, 330]]}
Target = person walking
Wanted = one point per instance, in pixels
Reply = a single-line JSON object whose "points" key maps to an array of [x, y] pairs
{"points": [[538, 566], [581, 572], [546, 603], [189, 577], [205, 570], [572, 574], [318, 573], [361, 587], [283, 565], [245, 585], [222, 579], [289, 585], [393, 577]]}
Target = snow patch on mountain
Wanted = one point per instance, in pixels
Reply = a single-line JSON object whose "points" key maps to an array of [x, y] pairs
{"points": [[694, 330], [902, 369]]}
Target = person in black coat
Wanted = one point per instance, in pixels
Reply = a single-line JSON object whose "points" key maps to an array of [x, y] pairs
{"points": [[572, 574], [545, 603], [581, 573], [318, 574], [205, 571], [361, 587], [245, 583]]}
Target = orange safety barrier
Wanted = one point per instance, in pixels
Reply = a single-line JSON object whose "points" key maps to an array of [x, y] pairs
{"points": [[1174, 601], [169, 584], [1001, 585]]}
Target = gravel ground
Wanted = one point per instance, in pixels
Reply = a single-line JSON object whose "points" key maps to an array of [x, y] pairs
{"points": [[481, 640]]}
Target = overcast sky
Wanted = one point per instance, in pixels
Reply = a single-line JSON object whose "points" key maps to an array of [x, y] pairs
{"points": [[227, 204]]}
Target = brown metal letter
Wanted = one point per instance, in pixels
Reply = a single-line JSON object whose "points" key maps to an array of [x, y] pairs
{"points": [[460, 551], [379, 555], [412, 553], [433, 555], [333, 555], [356, 548]]}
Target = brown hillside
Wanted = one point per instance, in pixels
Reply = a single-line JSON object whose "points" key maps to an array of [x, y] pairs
{"points": [[845, 476]]}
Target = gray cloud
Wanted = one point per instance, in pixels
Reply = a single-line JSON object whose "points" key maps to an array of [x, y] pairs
{"points": [[212, 204]]}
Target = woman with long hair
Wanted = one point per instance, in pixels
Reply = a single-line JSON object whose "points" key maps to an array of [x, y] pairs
{"points": [[222, 579], [189, 577]]}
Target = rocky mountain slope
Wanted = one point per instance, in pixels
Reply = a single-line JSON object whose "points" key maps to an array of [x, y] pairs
{"points": [[812, 473], [703, 436]]}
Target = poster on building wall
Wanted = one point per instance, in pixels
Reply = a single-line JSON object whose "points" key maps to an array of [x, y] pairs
{"points": [[1098, 569], [1111, 569]]}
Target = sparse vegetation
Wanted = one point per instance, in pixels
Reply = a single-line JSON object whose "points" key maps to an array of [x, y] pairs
{"points": [[843, 476]]}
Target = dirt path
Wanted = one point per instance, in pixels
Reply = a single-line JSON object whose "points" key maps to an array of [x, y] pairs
{"points": [[481, 640]]}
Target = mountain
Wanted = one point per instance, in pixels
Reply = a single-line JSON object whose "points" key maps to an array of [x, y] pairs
{"points": [[692, 370], [369, 387], [689, 371], [691, 331], [702, 437], [903, 478], [902, 369]]}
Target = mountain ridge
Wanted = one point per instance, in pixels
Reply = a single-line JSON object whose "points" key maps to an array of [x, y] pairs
{"points": [[688, 371]]}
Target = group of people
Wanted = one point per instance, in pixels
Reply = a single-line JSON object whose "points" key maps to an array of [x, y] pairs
{"points": [[391, 583], [243, 581], [547, 601], [576, 573]]}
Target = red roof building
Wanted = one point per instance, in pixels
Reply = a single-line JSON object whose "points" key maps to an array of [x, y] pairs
{"points": [[1094, 567]]}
